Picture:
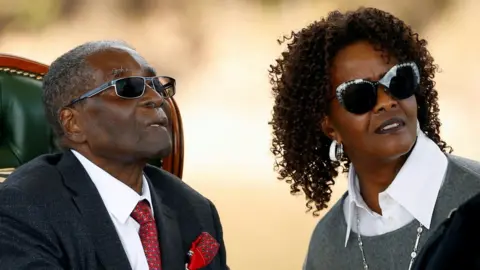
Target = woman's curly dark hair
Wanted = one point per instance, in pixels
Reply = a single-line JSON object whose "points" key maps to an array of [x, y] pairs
{"points": [[301, 86]]}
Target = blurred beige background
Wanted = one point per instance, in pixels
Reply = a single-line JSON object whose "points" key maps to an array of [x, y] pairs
{"points": [[220, 51]]}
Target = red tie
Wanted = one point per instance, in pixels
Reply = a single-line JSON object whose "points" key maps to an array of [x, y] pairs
{"points": [[148, 234]]}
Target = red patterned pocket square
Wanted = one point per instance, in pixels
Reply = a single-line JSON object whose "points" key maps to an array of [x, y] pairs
{"points": [[202, 251]]}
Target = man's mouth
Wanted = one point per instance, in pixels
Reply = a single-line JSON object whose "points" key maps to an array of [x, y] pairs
{"points": [[162, 122]]}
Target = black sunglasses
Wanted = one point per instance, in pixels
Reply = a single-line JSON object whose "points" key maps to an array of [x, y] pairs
{"points": [[360, 96], [134, 87]]}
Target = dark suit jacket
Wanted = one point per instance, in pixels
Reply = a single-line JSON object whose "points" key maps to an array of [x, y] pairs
{"points": [[455, 244], [52, 217]]}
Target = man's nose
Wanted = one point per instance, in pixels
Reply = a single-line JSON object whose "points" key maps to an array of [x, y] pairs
{"points": [[152, 97]]}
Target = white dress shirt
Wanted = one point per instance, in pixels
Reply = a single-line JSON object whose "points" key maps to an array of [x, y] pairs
{"points": [[412, 194], [120, 200]]}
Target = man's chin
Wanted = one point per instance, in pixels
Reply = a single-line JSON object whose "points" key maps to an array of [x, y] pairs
{"points": [[160, 153]]}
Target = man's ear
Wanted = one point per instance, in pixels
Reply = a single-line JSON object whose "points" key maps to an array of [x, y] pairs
{"points": [[71, 123], [329, 130]]}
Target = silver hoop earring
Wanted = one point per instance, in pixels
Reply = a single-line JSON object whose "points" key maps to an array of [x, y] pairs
{"points": [[336, 151]]}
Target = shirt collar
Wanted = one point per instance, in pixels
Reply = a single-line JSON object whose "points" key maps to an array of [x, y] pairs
{"points": [[415, 187], [119, 199]]}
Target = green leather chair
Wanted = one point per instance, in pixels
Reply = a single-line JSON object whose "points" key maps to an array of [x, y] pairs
{"points": [[24, 130]]}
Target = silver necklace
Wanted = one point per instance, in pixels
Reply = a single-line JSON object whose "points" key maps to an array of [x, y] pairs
{"points": [[412, 255]]}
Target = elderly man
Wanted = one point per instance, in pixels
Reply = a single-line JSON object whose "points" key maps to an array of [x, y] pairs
{"points": [[97, 205]]}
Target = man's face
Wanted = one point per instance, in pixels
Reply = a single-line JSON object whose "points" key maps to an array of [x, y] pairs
{"points": [[116, 128]]}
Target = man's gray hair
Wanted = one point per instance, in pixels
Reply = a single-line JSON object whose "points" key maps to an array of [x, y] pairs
{"points": [[69, 76]]}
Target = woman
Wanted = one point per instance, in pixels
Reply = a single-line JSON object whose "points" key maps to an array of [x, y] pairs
{"points": [[355, 91]]}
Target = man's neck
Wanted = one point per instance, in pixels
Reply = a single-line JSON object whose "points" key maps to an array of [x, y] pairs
{"points": [[129, 173]]}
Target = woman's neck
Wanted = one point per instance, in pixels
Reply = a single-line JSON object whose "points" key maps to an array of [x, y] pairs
{"points": [[375, 177]]}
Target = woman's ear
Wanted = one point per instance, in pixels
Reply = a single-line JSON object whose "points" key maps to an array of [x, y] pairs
{"points": [[329, 130]]}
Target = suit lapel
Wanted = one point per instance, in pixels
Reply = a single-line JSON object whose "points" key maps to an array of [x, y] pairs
{"points": [[102, 233], [172, 253]]}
